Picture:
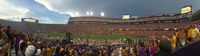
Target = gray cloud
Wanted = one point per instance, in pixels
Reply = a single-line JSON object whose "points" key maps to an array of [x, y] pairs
{"points": [[115, 8]]}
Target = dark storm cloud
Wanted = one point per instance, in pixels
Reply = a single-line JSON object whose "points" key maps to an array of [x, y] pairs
{"points": [[116, 8]]}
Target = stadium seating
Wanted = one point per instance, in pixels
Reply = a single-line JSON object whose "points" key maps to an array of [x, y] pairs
{"points": [[94, 26]]}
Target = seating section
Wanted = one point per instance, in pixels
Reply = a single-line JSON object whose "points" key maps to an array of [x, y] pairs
{"points": [[92, 27]]}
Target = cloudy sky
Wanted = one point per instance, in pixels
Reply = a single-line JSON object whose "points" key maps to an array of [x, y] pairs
{"points": [[59, 11]]}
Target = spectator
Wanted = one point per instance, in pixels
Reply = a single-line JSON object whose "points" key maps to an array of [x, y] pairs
{"points": [[31, 50], [3, 49], [193, 33], [173, 41], [181, 36]]}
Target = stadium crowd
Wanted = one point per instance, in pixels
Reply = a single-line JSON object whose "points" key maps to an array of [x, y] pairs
{"points": [[13, 43]]}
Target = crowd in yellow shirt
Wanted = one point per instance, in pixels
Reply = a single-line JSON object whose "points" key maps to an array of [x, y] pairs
{"points": [[180, 38]]}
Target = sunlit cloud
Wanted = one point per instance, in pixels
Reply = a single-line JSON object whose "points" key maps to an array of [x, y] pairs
{"points": [[11, 12]]}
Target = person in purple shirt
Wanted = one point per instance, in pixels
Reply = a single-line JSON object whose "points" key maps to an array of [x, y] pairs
{"points": [[142, 51], [152, 50]]}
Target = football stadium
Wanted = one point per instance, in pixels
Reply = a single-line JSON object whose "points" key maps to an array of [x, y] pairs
{"points": [[173, 34]]}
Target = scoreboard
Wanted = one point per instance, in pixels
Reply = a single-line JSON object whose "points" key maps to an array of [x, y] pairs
{"points": [[126, 17], [186, 9]]}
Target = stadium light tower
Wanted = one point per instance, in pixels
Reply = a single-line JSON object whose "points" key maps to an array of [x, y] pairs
{"points": [[77, 13], [87, 13], [91, 13], [102, 14]]}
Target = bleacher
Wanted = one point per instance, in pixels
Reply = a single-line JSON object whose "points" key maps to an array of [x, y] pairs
{"points": [[103, 25]]}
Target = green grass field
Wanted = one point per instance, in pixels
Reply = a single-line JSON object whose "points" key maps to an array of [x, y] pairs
{"points": [[94, 36], [112, 36]]}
